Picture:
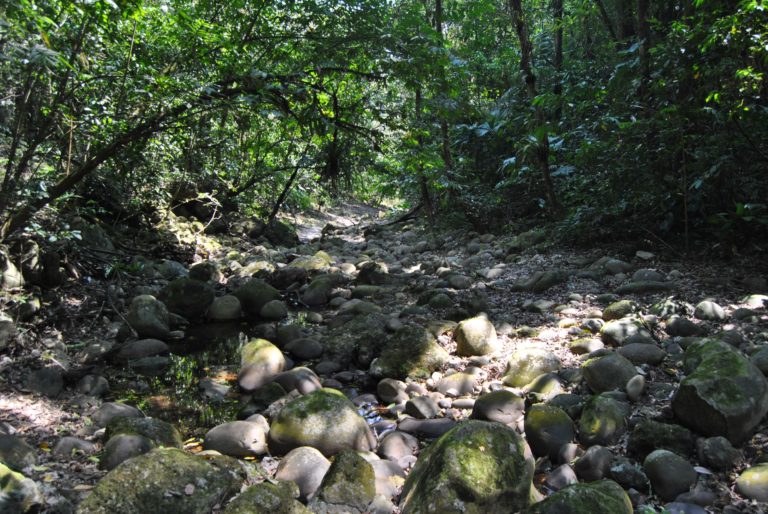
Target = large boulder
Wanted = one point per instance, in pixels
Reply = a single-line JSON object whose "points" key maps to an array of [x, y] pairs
{"points": [[602, 421], [237, 438], [143, 484], [317, 292], [281, 234], [260, 361], [547, 428], [347, 488], [255, 294], [324, 419], [527, 363], [603, 497], [157, 430], [410, 352], [477, 467], [724, 394], [476, 336], [148, 317], [187, 297], [277, 497]]}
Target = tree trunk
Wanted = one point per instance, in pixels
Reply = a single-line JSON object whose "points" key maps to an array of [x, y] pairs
{"points": [[606, 19], [626, 20], [426, 196], [444, 132], [557, 8], [542, 148], [644, 33]]}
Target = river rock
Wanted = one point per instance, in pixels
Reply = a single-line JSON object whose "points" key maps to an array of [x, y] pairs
{"points": [[644, 286], [317, 292], [620, 309], [187, 297], [69, 446], [237, 438], [709, 311], [476, 336], [7, 331], [274, 310], [123, 447], [594, 465], [111, 410], [617, 332], [15, 453], [502, 406], [398, 447], [457, 384], [547, 428], [670, 474], [148, 316], [410, 352], [422, 407], [279, 497], [679, 326], [158, 431], [18, 493], [642, 353], [225, 308], [753, 483], [305, 348], [608, 372], [602, 497], [347, 488], [649, 435], [48, 381], [527, 363], [603, 421], [324, 419], [718, 453], [260, 361], [724, 394], [390, 390], [10, 276], [301, 379], [141, 484], [306, 467], [478, 466], [254, 294], [135, 350]]}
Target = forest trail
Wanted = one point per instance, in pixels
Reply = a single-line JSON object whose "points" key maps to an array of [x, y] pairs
{"points": [[381, 338]]}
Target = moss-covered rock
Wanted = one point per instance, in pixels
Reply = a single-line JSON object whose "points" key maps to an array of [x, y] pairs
{"points": [[618, 310], [158, 431], [165, 480], [477, 467], [265, 497], [603, 421], [348, 487], [255, 294], [260, 361], [317, 292], [17, 492], [603, 497], [649, 435], [547, 428], [324, 419], [410, 352], [527, 363], [618, 331], [724, 394], [608, 372], [476, 336], [753, 483], [187, 297]]}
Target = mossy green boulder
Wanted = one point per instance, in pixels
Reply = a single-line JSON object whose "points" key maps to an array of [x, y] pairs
{"points": [[527, 363], [324, 419], [166, 480], [348, 487], [753, 483], [412, 352], [603, 421], [608, 372], [187, 297], [158, 431], [17, 492], [477, 467], [476, 336], [724, 394], [603, 497], [280, 497], [255, 294], [260, 361], [547, 428]]}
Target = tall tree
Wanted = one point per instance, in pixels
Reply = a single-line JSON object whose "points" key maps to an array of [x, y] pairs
{"points": [[540, 128]]}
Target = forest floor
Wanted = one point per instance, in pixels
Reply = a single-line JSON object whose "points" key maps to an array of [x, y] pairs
{"points": [[80, 322]]}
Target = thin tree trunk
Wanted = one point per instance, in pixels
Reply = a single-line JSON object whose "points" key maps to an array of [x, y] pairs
{"points": [[444, 132], [626, 20], [426, 196], [644, 33], [557, 7], [607, 20], [542, 147]]}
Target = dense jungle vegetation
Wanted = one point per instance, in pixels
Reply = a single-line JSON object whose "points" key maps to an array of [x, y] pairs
{"points": [[622, 117]]}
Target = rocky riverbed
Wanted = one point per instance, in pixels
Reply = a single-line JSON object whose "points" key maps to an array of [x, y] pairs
{"points": [[388, 368]]}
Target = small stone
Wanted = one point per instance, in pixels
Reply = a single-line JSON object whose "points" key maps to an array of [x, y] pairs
{"points": [[123, 447], [476, 336], [46, 381], [305, 348], [547, 428], [422, 407], [635, 387], [237, 438], [225, 308], [306, 466], [595, 464], [753, 483], [718, 453], [274, 310], [709, 311], [15, 453], [391, 391], [560, 477]]}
